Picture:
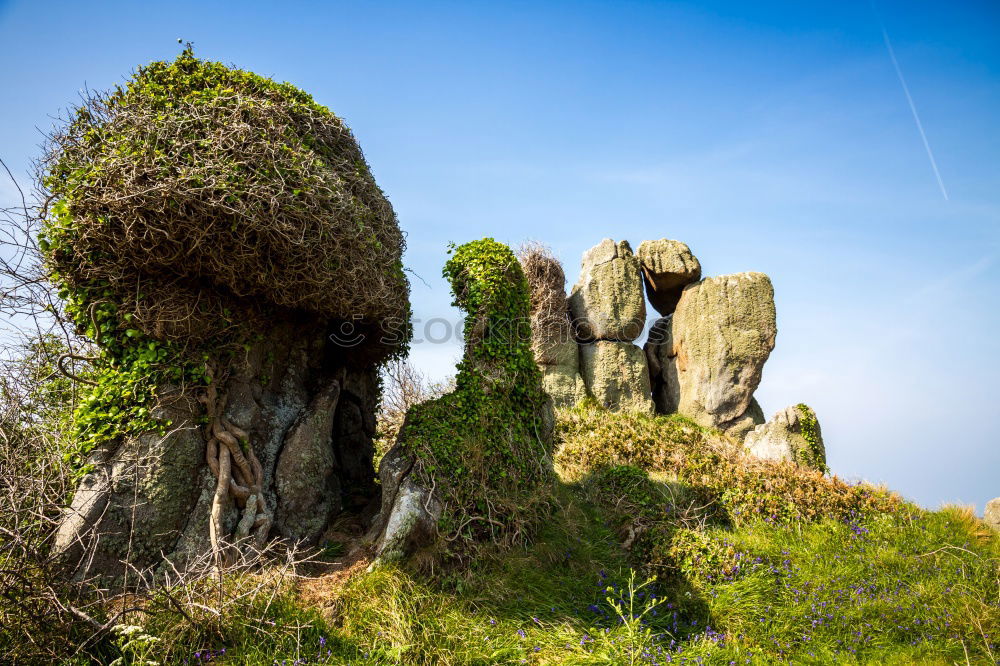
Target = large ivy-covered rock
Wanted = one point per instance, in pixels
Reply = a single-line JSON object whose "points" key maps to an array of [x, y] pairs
{"points": [[220, 240], [147, 499], [475, 463], [191, 222]]}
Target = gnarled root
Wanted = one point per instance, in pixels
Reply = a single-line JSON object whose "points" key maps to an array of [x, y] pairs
{"points": [[240, 477], [215, 527]]}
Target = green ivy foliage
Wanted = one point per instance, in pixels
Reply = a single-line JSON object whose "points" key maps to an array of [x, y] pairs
{"points": [[124, 376], [482, 446], [226, 179]]}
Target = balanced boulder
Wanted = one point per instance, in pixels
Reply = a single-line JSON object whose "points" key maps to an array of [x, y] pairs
{"points": [[712, 350], [793, 434], [667, 267], [607, 303]]}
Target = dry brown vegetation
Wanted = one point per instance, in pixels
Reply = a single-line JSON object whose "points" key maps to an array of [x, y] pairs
{"points": [[196, 195]]}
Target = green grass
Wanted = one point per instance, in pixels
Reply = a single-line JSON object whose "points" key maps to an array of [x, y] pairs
{"points": [[867, 585]]}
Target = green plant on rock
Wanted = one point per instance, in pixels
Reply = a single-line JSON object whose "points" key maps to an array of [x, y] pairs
{"points": [[123, 379], [814, 455], [200, 194], [483, 447]]}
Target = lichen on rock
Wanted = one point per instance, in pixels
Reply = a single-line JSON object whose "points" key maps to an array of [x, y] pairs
{"points": [[991, 515], [607, 303], [616, 376], [712, 349]]}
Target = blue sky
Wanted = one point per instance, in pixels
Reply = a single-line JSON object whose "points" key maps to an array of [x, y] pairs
{"points": [[768, 136]]}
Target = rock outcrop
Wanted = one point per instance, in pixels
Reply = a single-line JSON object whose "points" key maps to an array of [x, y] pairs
{"points": [[305, 479], [475, 457], [606, 303], [237, 331], [793, 434], [667, 267], [711, 350], [563, 383], [703, 359], [409, 514], [992, 513]]}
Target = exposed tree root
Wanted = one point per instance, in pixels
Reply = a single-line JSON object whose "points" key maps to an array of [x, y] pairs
{"points": [[240, 477]]}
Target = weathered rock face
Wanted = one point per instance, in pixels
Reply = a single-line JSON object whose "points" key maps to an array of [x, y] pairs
{"points": [[658, 350], [751, 418], [305, 480], [616, 375], [296, 396], [409, 514], [793, 434], [563, 383], [162, 474], [712, 350], [992, 513], [606, 303], [667, 267]]}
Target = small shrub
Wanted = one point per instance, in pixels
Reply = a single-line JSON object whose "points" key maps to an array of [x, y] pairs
{"points": [[699, 557], [592, 438], [814, 455], [741, 488]]}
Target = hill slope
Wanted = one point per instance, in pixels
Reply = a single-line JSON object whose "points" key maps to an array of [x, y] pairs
{"points": [[664, 545]]}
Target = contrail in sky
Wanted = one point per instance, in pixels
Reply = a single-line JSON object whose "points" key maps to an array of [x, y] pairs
{"points": [[913, 108]]}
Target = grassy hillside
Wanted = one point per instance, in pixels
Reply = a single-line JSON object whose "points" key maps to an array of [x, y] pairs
{"points": [[663, 546]]}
